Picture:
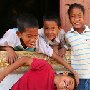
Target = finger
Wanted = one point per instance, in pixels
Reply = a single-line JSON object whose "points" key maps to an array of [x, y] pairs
{"points": [[7, 58], [14, 59], [11, 60]]}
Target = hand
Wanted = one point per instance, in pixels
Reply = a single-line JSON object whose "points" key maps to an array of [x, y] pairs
{"points": [[11, 55], [76, 77], [62, 52], [1, 77], [55, 49]]}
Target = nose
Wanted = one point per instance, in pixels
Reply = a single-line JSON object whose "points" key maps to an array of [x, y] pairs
{"points": [[32, 39], [50, 31], [77, 18]]}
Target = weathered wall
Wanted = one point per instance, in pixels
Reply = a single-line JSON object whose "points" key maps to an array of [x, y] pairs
{"points": [[64, 16]]}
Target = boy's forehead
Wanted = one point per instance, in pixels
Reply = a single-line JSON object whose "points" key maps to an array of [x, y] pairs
{"points": [[31, 29], [50, 23], [76, 10]]}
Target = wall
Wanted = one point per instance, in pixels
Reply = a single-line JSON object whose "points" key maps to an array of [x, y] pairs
{"points": [[64, 16]]}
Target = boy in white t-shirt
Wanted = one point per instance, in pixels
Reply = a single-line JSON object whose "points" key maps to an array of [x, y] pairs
{"points": [[53, 34]]}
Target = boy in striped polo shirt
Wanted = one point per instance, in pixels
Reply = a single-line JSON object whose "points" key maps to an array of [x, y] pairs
{"points": [[79, 40]]}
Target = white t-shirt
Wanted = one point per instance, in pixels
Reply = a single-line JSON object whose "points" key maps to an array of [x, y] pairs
{"points": [[10, 38], [59, 38]]}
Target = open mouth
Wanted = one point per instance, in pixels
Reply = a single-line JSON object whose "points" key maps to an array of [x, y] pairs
{"points": [[77, 23]]}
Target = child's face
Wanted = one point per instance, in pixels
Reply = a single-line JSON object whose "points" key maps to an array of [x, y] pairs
{"points": [[77, 18], [29, 36], [65, 83], [51, 29]]}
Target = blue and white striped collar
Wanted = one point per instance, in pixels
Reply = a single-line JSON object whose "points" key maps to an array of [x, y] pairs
{"points": [[86, 29]]}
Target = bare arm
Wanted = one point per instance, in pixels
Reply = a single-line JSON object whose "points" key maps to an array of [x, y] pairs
{"points": [[14, 66], [66, 65], [11, 55], [5, 48]]}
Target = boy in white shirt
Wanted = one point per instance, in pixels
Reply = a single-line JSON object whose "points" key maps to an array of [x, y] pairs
{"points": [[53, 34]]}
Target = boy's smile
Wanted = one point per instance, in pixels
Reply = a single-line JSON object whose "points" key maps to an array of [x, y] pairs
{"points": [[77, 18], [50, 29], [29, 37], [65, 83]]}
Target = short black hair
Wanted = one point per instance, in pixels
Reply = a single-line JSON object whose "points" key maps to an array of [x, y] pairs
{"points": [[52, 18], [26, 21], [76, 5], [72, 76]]}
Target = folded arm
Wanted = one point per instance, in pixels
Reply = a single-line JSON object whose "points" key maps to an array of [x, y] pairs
{"points": [[14, 66]]}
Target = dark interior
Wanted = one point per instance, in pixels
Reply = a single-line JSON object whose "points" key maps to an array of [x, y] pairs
{"points": [[9, 9]]}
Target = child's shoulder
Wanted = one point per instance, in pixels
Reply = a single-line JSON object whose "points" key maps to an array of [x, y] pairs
{"points": [[62, 31], [41, 32], [13, 30], [10, 32]]}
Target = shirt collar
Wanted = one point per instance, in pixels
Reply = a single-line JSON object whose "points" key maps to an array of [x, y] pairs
{"points": [[86, 30], [54, 42]]}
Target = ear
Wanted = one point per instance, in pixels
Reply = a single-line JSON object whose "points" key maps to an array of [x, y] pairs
{"points": [[59, 28], [56, 80], [18, 34]]}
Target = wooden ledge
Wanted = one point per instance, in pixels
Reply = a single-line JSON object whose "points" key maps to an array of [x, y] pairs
{"points": [[54, 64]]}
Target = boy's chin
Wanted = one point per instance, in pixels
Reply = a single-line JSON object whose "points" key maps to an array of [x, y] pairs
{"points": [[31, 46], [77, 26]]}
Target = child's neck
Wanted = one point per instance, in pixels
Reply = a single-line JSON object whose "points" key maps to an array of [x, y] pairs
{"points": [[22, 43], [79, 30]]}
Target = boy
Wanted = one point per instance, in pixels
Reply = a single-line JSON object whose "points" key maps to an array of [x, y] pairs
{"points": [[53, 34], [41, 76], [26, 38], [79, 40]]}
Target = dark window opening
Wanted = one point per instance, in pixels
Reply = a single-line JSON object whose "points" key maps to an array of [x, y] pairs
{"points": [[9, 9]]}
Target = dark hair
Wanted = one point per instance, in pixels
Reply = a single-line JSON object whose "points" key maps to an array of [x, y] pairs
{"points": [[76, 5], [72, 76], [52, 18], [26, 21]]}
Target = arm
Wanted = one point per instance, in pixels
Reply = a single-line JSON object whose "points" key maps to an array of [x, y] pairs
{"points": [[66, 65], [7, 43], [46, 49], [11, 55], [14, 66]]}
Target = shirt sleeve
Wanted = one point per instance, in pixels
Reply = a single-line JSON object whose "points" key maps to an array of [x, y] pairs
{"points": [[67, 45], [42, 47], [62, 38], [9, 38]]}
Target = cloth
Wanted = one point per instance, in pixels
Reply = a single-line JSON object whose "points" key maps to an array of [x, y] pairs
{"points": [[10, 38], [39, 77], [80, 51], [84, 84], [59, 40]]}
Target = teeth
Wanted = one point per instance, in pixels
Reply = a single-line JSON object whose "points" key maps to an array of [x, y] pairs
{"points": [[76, 23]]}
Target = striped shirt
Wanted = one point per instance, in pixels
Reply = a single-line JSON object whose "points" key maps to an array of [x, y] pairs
{"points": [[80, 51]]}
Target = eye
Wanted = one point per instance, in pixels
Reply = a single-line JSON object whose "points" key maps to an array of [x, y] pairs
{"points": [[46, 28], [72, 16], [71, 82], [29, 36], [53, 28]]}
